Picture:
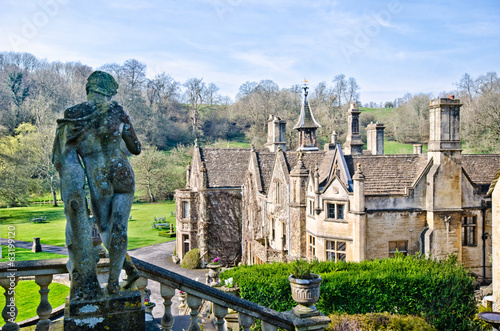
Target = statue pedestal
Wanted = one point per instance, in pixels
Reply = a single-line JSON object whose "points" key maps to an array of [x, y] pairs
{"points": [[122, 311]]}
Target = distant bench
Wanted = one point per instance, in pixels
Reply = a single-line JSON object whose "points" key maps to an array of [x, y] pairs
{"points": [[160, 223], [42, 219]]}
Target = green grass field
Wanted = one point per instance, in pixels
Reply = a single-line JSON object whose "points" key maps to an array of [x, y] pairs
{"points": [[27, 298], [393, 147], [140, 230], [380, 114], [23, 254]]}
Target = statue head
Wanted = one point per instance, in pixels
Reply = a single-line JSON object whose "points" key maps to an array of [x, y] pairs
{"points": [[101, 82]]}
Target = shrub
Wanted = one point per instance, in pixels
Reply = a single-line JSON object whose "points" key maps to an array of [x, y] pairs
{"points": [[441, 292], [377, 321], [166, 234], [192, 259]]}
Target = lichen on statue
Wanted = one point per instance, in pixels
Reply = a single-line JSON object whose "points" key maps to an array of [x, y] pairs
{"points": [[87, 146]]}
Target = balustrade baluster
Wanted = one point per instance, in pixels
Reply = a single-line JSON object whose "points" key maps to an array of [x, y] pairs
{"points": [[268, 327], [220, 312], [167, 292], [194, 304], [245, 321], [141, 285], [9, 312], [44, 308]]}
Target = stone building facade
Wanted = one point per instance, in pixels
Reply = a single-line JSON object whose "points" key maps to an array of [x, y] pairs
{"points": [[494, 193], [264, 205]]}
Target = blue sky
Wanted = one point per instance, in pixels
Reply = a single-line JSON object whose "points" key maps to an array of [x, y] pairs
{"points": [[391, 47]]}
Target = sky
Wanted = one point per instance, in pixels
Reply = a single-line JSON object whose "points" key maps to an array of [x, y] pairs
{"points": [[390, 47]]}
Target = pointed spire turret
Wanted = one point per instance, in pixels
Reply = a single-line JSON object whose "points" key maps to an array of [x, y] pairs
{"points": [[306, 125]]}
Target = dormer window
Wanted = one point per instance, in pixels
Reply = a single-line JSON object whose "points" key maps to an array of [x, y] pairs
{"points": [[335, 210]]}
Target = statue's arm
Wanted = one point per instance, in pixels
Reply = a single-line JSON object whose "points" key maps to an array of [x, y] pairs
{"points": [[129, 136]]}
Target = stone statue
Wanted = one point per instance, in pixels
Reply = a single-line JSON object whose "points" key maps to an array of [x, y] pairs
{"points": [[87, 146]]}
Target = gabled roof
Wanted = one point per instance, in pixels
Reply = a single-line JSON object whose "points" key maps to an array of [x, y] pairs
{"points": [[481, 168], [226, 167], [265, 163], [388, 174], [311, 159]]}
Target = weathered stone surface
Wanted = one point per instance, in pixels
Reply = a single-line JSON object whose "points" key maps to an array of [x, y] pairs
{"points": [[91, 133], [121, 311]]}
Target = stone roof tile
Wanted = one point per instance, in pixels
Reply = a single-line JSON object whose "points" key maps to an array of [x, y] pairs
{"points": [[226, 167], [481, 168], [388, 174], [266, 162]]}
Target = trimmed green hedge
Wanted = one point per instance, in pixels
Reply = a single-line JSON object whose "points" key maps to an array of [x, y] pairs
{"points": [[377, 322], [166, 234], [440, 291]]}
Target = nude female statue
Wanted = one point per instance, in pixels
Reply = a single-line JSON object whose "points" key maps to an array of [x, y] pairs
{"points": [[95, 130]]}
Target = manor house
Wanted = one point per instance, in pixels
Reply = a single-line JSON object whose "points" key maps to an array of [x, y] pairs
{"points": [[340, 202]]}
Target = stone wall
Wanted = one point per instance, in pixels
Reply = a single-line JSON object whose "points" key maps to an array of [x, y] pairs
{"points": [[224, 225], [186, 226], [382, 227], [472, 256], [495, 197]]}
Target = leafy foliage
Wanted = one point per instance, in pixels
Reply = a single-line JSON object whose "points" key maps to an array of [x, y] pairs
{"points": [[376, 322], [302, 269], [439, 291], [192, 259]]}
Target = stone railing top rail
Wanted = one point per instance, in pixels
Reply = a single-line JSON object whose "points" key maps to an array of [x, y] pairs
{"points": [[212, 294], [163, 276], [40, 267]]}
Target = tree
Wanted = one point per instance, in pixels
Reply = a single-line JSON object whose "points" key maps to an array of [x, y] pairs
{"points": [[149, 171], [245, 89], [352, 91], [480, 119], [211, 95], [162, 90], [195, 90], [16, 168], [340, 88], [411, 120]]}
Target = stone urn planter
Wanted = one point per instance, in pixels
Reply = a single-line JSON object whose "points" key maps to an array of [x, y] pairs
{"points": [[213, 274], [306, 293], [492, 318]]}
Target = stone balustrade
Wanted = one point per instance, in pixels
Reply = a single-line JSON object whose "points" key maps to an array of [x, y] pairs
{"points": [[248, 312]]}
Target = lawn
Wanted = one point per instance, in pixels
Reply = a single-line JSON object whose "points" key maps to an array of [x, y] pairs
{"points": [[380, 114], [28, 299], [140, 230], [394, 147], [23, 254]]}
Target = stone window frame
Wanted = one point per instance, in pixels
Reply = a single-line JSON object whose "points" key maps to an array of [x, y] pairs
{"points": [[185, 212], [345, 206], [273, 229], [283, 228], [469, 231], [398, 244], [310, 207], [338, 250], [311, 246], [277, 193]]}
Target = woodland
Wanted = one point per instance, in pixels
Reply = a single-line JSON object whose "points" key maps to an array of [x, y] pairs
{"points": [[169, 116]]}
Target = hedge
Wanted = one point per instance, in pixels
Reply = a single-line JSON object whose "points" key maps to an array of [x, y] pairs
{"points": [[439, 291], [167, 234], [377, 322]]}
